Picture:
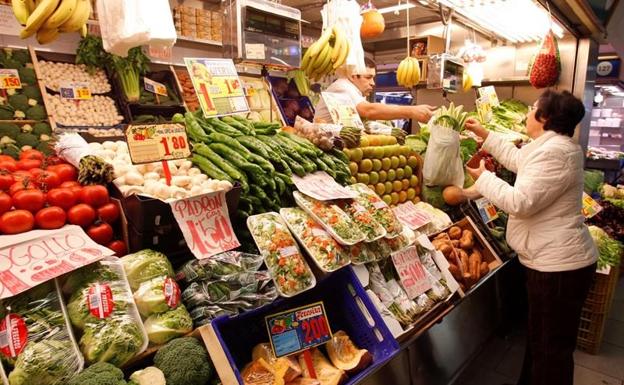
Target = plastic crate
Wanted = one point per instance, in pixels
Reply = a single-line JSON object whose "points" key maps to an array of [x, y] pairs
{"points": [[348, 308], [292, 96], [595, 311]]}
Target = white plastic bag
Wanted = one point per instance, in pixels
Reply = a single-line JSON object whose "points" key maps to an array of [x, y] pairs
{"points": [[443, 164], [346, 13], [157, 17], [121, 25]]}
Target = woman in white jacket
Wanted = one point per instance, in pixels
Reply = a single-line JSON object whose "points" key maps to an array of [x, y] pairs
{"points": [[546, 229]]}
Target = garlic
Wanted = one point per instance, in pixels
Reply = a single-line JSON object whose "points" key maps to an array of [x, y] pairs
{"points": [[134, 178], [193, 172], [181, 181], [151, 176], [129, 190]]}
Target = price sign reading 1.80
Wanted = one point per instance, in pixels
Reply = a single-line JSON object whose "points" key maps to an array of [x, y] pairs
{"points": [[9, 79], [154, 142]]}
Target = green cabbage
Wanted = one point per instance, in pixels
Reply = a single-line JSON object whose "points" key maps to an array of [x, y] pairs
{"points": [[609, 250], [163, 327]]}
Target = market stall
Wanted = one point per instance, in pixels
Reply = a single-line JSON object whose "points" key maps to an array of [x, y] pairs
{"points": [[167, 192]]}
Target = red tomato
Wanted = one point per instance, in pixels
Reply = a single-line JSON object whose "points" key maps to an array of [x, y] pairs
{"points": [[5, 202], [19, 186], [66, 172], [16, 221], [50, 218], [32, 154], [6, 158], [119, 247], [35, 171], [6, 180], [47, 180], [95, 196], [62, 197], [69, 184], [31, 200], [54, 159], [28, 164], [109, 212], [81, 215], [8, 165], [101, 233]]}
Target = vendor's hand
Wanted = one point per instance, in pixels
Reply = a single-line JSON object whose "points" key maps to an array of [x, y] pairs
{"points": [[476, 172], [473, 125], [423, 112], [471, 193]]}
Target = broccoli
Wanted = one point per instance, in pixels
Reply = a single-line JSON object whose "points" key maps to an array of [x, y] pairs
{"points": [[148, 376], [32, 92], [115, 340], [12, 64], [45, 362], [41, 129], [45, 148], [27, 75], [145, 265], [6, 112], [21, 56], [101, 373], [19, 102], [9, 129], [11, 150], [36, 113], [25, 139], [164, 327], [27, 128], [184, 361]]}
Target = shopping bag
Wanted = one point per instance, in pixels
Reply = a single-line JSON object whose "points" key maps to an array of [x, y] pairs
{"points": [[443, 164]]}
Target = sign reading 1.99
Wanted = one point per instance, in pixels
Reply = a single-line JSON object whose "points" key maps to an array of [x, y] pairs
{"points": [[218, 88], [155, 142]]}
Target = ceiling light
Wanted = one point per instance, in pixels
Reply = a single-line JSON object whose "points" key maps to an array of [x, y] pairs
{"points": [[396, 8]]}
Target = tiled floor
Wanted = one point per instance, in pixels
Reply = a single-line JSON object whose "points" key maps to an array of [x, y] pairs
{"points": [[500, 361]]}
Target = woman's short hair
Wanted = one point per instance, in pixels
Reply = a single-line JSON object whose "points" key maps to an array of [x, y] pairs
{"points": [[560, 111]]}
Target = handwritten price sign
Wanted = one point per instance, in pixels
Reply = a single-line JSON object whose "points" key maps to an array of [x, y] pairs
{"points": [[155, 87], [411, 216], [9, 79], [153, 142], [321, 186], [411, 272], [298, 329], [75, 91], [205, 223]]}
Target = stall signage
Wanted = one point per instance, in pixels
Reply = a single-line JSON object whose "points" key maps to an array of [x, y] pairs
{"points": [[411, 272], [487, 210], [321, 186], [75, 91], [205, 223], [342, 110], [218, 88], [489, 93], [29, 259], [484, 109], [608, 68], [154, 142], [411, 215], [9, 79], [155, 87], [590, 206], [298, 329]]}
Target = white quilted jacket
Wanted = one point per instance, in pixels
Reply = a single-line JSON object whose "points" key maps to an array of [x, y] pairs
{"points": [[546, 227]]}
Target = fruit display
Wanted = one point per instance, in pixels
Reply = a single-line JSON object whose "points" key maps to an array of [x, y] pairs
{"points": [[326, 54], [378, 208], [377, 128], [408, 72], [54, 75], [48, 18], [99, 111], [545, 67], [389, 169], [188, 91], [350, 136]]}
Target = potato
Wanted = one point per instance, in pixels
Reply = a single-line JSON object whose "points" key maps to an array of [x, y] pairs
{"points": [[484, 269], [455, 243], [454, 270], [455, 232], [466, 241]]}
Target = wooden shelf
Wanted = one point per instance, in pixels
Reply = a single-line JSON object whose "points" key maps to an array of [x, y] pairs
{"points": [[199, 41]]}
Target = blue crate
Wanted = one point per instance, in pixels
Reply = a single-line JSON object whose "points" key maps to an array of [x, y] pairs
{"points": [[343, 296]]}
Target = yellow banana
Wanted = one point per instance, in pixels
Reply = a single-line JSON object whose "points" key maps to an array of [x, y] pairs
{"points": [[45, 36], [343, 54], [317, 47], [400, 74], [305, 61], [416, 71], [62, 13], [31, 5], [409, 70], [78, 18], [320, 59], [84, 31], [38, 17], [325, 66], [20, 10], [338, 43]]}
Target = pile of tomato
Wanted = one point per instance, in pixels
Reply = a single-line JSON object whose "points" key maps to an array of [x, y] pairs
{"points": [[39, 192]]}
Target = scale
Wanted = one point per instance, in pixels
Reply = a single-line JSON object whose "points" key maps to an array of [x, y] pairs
{"points": [[262, 32]]}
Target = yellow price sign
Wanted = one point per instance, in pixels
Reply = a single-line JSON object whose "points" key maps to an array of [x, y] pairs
{"points": [[9, 79], [155, 87], [75, 91], [155, 142]]}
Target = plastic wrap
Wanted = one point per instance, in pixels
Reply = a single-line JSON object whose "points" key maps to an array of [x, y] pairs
{"points": [[37, 345], [360, 254], [218, 266], [253, 288], [363, 219], [324, 136], [378, 208], [121, 25], [144, 266], [442, 164], [101, 306]]}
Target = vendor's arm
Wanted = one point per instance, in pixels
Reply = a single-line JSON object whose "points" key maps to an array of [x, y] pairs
{"points": [[380, 111], [505, 152]]}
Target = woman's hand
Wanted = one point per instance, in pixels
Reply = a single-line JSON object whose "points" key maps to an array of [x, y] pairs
{"points": [[471, 193], [476, 172], [473, 125]]}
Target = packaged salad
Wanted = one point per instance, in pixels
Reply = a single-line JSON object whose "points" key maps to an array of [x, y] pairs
{"points": [[382, 213], [288, 268], [218, 266], [332, 218], [328, 254], [363, 219]]}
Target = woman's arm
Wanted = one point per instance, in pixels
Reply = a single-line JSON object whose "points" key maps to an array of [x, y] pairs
{"points": [[505, 152]]}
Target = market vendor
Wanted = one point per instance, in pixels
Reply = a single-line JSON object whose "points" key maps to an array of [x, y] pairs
{"points": [[546, 229], [358, 87]]}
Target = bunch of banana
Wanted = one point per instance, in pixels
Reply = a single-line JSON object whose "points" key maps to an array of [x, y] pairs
{"points": [[408, 74], [467, 82], [301, 81], [351, 136], [328, 53], [48, 18]]}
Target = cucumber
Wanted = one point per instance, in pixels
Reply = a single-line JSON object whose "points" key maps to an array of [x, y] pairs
{"points": [[223, 164], [230, 142]]}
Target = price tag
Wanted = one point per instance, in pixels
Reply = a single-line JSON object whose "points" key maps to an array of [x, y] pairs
{"points": [[153, 142], [411, 272], [487, 210], [411, 215], [218, 88], [484, 109], [489, 93], [205, 223], [590, 206], [9, 79], [155, 87], [342, 110], [75, 91], [298, 329], [255, 51], [322, 186], [13, 335]]}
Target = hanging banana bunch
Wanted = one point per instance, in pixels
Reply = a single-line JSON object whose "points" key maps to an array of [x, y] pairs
{"points": [[408, 74], [46, 19], [325, 55], [301, 81]]}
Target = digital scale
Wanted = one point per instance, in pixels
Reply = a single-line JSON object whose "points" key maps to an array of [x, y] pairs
{"points": [[446, 72]]}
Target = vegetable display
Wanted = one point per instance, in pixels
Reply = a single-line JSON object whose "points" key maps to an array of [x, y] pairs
{"points": [[25, 102], [378, 209], [609, 250], [188, 91], [95, 112], [101, 373], [184, 361], [54, 75], [363, 219]]}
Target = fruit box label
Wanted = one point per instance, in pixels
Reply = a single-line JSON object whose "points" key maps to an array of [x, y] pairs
{"points": [[298, 329], [321, 186], [411, 272], [590, 206], [205, 223], [75, 90], [29, 259]]}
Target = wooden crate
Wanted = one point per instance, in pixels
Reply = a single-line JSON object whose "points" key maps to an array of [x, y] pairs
{"points": [[595, 311]]}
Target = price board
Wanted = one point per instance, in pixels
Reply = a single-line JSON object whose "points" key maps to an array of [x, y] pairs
{"points": [[321, 186], [155, 87], [411, 272], [9, 79], [298, 329], [75, 91], [489, 93], [411, 215], [218, 88], [155, 142], [590, 206], [342, 110]]}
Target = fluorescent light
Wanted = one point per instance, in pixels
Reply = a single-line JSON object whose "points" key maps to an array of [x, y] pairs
{"points": [[396, 8]]}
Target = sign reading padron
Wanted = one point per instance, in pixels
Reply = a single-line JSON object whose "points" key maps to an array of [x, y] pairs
{"points": [[411, 271], [9, 79], [154, 142], [298, 329]]}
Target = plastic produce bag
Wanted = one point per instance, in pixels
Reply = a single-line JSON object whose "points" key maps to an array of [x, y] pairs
{"points": [[545, 67], [101, 306], [144, 266], [346, 13], [38, 348], [443, 164], [122, 26], [157, 17], [218, 266]]}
